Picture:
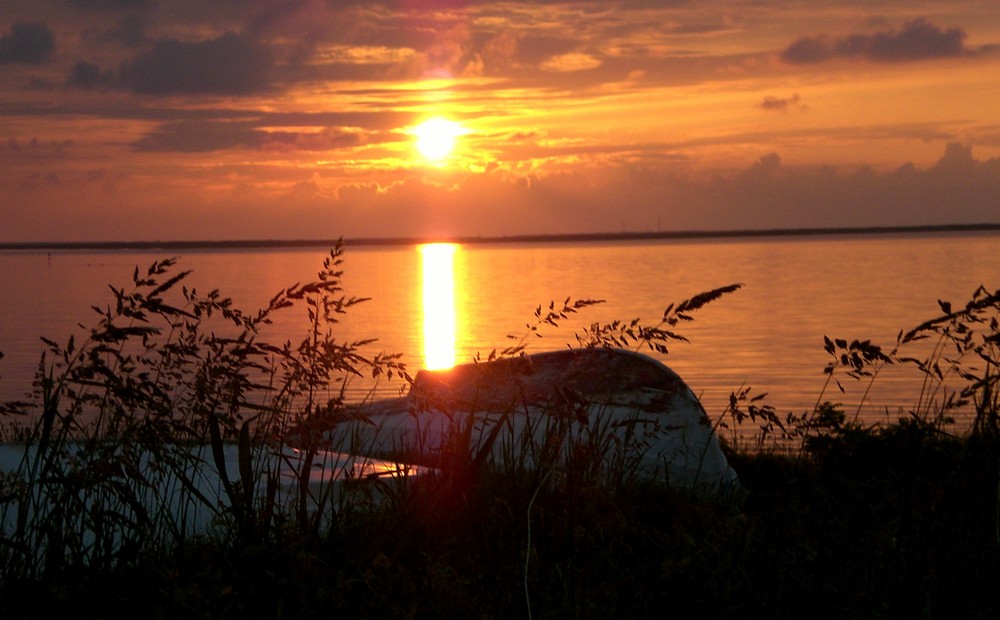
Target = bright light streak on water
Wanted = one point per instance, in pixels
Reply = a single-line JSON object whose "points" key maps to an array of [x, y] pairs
{"points": [[438, 293]]}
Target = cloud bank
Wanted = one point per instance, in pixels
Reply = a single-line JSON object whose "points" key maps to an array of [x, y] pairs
{"points": [[917, 40], [229, 64], [27, 43], [768, 194]]}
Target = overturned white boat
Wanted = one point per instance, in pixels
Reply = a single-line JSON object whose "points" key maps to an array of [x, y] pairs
{"points": [[593, 412], [589, 414]]}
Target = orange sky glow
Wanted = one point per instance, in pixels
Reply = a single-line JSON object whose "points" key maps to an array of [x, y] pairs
{"points": [[297, 119]]}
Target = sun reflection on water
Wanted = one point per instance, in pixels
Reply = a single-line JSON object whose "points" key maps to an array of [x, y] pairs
{"points": [[438, 290]]}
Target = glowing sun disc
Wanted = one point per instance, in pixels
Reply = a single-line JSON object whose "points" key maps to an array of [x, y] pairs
{"points": [[436, 137]]}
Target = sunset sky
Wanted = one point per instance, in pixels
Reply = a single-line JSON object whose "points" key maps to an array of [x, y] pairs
{"points": [[298, 119]]}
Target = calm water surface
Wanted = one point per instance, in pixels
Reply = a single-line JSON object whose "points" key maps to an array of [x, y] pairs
{"points": [[768, 335]]}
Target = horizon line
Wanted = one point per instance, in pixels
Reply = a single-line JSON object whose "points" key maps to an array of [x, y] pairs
{"points": [[479, 239]]}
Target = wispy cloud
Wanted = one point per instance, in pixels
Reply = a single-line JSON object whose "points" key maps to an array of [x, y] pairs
{"points": [[781, 104]]}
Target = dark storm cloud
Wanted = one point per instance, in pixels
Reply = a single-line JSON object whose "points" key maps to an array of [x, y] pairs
{"points": [[917, 40], [230, 64], [27, 43]]}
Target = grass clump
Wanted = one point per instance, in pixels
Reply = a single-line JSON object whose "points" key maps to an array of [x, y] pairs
{"points": [[836, 519], [128, 430]]}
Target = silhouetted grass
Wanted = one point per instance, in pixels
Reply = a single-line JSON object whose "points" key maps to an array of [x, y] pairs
{"points": [[835, 519]]}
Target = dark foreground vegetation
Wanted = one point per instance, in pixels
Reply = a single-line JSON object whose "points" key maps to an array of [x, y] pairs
{"points": [[858, 532], [835, 518]]}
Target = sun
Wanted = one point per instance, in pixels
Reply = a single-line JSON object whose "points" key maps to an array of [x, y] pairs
{"points": [[436, 137]]}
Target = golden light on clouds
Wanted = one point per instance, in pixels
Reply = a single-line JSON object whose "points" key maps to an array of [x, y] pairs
{"points": [[488, 119]]}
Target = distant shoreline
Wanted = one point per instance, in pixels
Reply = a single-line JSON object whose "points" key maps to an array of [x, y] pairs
{"points": [[540, 238]]}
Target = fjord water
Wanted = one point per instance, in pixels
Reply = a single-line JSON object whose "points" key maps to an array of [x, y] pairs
{"points": [[767, 335]]}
